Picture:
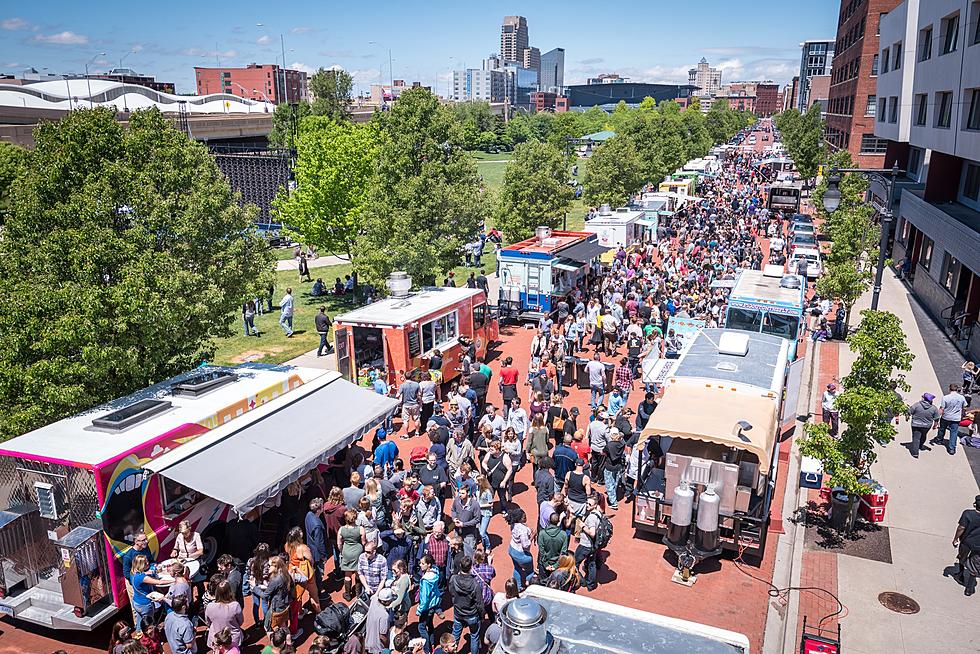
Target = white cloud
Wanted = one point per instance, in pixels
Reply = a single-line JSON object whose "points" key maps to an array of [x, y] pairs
{"points": [[366, 75], [14, 24], [298, 65], [62, 38], [301, 29], [12, 64], [197, 52], [137, 48], [265, 39]]}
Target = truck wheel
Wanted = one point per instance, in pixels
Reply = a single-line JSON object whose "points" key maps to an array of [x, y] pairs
{"points": [[213, 540]]}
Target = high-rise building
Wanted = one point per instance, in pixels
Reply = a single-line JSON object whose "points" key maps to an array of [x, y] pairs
{"points": [[928, 114], [479, 85], [853, 101], [513, 38], [532, 58], [269, 82], [816, 58], [553, 71], [791, 96], [705, 77]]}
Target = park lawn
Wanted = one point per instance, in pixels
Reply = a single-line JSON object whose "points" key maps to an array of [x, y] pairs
{"points": [[480, 155], [273, 346], [283, 254]]}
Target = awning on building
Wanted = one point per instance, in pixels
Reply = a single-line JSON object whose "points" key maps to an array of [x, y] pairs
{"points": [[583, 252], [252, 464]]}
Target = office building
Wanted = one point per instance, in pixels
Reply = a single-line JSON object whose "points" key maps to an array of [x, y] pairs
{"points": [[269, 82], [706, 78], [479, 85], [553, 71], [852, 104], [608, 78], [532, 58], [545, 101], [928, 114], [816, 58], [767, 99], [520, 83], [513, 38]]}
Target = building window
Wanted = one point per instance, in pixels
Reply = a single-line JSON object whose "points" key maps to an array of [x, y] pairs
{"points": [[915, 163], [871, 144], [885, 58], [971, 182], [944, 109], [925, 253], [921, 108], [874, 66], [904, 232], [950, 33], [872, 108], [973, 117], [897, 56], [975, 12], [925, 44], [882, 110], [950, 267], [893, 110]]}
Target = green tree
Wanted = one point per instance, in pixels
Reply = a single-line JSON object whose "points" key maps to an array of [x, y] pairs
{"points": [[285, 123], [695, 134], [807, 149], [844, 281], [535, 190], [331, 91], [867, 404], [123, 256], [334, 169], [615, 173], [425, 203], [565, 126], [12, 166]]}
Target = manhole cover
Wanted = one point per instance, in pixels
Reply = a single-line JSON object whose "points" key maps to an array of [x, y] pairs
{"points": [[898, 603]]}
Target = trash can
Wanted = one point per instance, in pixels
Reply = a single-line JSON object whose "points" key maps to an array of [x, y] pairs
{"points": [[569, 374], [583, 374], [610, 371]]}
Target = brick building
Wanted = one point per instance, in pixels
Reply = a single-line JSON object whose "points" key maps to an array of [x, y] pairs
{"points": [[853, 100], [268, 82], [547, 101], [767, 99]]}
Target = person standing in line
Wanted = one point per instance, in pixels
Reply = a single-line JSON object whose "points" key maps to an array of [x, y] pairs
{"points": [[179, 629], [322, 323], [598, 436], [410, 396], [430, 599], [520, 547], [597, 380], [508, 383], [967, 539], [615, 452], [428, 395], [951, 406], [316, 540], [971, 372], [587, 553], [466, 590], [286, 312], [924, 415], [829, 411]]}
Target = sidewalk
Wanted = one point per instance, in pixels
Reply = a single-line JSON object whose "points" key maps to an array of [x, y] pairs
{"points": [[926, 498], [319, 262]]}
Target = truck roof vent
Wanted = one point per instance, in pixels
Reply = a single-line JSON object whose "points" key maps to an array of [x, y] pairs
{"points": [[399, 283], [124, 418], [734, 344], [198, 385]]}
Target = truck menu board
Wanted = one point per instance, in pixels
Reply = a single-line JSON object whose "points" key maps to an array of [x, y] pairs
{"points": [[414, 343]]}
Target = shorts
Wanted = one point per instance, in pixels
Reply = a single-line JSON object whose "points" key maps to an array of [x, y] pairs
{"points": [[411, 413]]}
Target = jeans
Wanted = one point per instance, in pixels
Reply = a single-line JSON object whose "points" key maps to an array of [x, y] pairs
{"points": [[474, 626], [426, 629], [286, 322], [612, 485], [585, 558], [523, 566], [598, 395], [250, 328], [484, 526], [142, 613], [324, 345], [256, 603], [625, 392], [918, 439], [954, 430]]}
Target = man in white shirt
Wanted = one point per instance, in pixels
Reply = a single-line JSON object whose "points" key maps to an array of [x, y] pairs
{"points": [[829, 411], [286, 315], [597, 380]]}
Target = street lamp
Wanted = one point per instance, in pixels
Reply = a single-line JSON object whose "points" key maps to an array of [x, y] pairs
{"points": [[832, 198], [391, 72], [88, 81]]}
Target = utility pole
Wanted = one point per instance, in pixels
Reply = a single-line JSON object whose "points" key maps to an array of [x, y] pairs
{"points": [[285, 88]]}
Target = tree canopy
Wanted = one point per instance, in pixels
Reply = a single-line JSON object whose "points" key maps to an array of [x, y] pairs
{"points": [[425, 203], [12, 161], [535, 190], [122, 257], [331, 92], [802, 134], [615, 172]]}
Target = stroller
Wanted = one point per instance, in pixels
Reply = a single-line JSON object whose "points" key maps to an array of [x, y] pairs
{"points": [[339, 622]]}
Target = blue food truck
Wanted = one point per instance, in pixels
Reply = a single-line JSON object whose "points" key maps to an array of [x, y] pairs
{"points": [[768, 301]]}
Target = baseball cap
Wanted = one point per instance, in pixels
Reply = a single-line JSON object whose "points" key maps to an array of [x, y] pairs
{"points": [[580, 461], [928, 397], [386, 595], [574, 411], [832, 387]]}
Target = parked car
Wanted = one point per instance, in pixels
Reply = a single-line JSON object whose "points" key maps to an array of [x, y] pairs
{"points": [[802, 228], [808, 241], [801, 218], [814, 267]]}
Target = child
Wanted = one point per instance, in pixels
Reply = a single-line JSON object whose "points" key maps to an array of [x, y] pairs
{"points": [[151, 639], [446, 645]]}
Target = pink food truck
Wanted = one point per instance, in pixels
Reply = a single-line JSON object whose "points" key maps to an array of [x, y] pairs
{"points": [[205, 446]]}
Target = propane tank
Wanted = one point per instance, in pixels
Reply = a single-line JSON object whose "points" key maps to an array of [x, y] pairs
{"points": [[680, 515], [706, 534]]}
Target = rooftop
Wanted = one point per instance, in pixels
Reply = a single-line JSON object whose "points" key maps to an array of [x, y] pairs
{"points": [[396, 311], [754, 285], [762, 366], [559, 239]]}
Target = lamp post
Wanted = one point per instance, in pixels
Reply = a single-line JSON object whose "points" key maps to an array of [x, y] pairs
{"points": [[88, 81], [832, 199], [391, 73]]}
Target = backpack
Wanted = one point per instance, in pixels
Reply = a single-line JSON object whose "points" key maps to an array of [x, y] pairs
{"points": [[333, 621], [418, 453], [603, 532]]}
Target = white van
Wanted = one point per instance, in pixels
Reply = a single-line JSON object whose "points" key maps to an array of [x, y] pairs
{"points": [[814, 267]]}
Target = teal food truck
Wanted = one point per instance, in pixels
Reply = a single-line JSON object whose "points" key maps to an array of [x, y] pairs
{"points": [[768, 301]]}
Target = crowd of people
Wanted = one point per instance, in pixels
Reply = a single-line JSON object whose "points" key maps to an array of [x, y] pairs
{"points": [[407, 535]]}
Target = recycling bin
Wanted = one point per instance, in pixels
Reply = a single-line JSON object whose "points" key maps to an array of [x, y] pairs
{"points": [[569, 374]]}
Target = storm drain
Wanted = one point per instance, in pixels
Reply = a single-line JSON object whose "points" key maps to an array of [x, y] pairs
{"points": [[898, 603]]}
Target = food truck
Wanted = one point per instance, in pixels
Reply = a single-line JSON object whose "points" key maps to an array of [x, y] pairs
{"points": [[618, 227], [206, 446], [681, 185], [785, 196], [768, 301], [549, 621], [403, 331], [537, 273], [729, 398]]}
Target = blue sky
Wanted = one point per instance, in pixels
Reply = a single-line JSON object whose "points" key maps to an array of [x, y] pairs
{"points": [[648, 41]]}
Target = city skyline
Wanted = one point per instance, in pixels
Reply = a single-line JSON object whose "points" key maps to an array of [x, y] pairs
{"points": [[63, 37]]}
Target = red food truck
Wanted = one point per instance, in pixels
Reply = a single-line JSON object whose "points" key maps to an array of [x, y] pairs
{"points": [[401, 332]]}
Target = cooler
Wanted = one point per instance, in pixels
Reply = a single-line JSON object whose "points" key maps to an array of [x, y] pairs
{"points": [[811, 473], [878, 497], [873, 514]]}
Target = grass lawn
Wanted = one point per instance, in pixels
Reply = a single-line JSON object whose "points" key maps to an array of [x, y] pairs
{"points": [[283, 254], [480, 155]]}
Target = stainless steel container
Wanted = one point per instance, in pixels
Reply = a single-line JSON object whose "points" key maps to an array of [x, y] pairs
{"points": [[523, 627]]}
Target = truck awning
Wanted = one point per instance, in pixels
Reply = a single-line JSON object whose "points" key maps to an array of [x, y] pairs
{"points": [[567, 264], [583, 252], [247, 466]]}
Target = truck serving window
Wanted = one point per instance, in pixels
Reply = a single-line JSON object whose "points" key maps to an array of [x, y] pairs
{"points": [[439, 331], [748, 320]]}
